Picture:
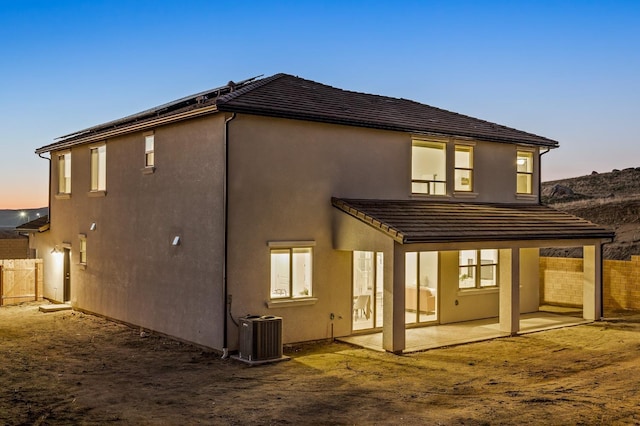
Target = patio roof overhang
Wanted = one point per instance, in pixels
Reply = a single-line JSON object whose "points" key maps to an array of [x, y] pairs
{"points": [[424, 221]]}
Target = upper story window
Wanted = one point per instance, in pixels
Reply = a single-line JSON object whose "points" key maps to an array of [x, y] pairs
{"points": [[478, 268], [463, 168], [149, 159], [64, 173], [524, 165], [291, 272], [428, 168], [99, 168]]}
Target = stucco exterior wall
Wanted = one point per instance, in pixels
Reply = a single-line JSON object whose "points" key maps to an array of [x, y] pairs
{"points": [[133, 273], [283, 174]]}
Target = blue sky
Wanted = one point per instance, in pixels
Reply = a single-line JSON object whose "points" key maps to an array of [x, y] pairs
{"points": [[567, 70]]}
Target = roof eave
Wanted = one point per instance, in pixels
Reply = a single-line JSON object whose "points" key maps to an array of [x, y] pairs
{"points": [[361, 123], [127, 128]]}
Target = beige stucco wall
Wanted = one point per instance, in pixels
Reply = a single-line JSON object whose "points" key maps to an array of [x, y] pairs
{"points": [[283, 174], [133, 273]]}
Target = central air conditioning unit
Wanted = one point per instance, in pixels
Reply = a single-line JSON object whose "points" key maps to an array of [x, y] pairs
{"points": [[260, 338]]}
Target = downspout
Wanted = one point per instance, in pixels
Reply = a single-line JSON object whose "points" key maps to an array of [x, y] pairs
{"points": [[540, 175], [49, 194], [225, 203]]}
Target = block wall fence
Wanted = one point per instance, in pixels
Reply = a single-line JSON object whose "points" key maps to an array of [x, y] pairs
{"points": [[561, 282]]}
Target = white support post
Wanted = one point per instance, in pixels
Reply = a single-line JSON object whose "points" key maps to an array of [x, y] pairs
{"points": [[592, 288], [393, 329], [510, 291]]}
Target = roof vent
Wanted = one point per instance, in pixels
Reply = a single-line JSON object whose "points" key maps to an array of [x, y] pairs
{"points": [[231, 85]]}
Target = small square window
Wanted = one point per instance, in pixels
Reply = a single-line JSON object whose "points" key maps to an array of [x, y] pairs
{"points": [[477, 269], [291, 272]]}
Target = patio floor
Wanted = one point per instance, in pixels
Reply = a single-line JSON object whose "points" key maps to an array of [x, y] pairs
{"points": [[437, 336]]}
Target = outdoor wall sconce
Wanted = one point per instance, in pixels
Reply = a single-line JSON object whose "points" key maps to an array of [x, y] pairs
{"points": [[56, 250], [176, 241], [93, 226]]}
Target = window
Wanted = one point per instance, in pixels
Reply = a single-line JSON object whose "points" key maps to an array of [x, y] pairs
{"points": [[83, 249], [478, 274], [463, 168], [524, 164], [291, 272], [428, 168], [64, 173], [99, 168], [149, 160]]}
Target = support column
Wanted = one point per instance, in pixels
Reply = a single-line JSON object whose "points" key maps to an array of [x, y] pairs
{"points": [[592, 287], [510, 291], [393, 328]]}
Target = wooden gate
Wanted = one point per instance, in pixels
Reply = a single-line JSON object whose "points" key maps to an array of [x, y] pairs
{"points": [[21, 280]]}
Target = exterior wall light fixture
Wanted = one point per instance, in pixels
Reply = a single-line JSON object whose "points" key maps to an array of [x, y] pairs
{"points": [[93, 226], [176, 241]]}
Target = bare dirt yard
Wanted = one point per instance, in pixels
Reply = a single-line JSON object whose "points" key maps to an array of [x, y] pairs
{"points": [[72, 368]]}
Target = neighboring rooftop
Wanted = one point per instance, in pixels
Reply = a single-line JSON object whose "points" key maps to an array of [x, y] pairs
{"points": [[38, 225], [287, 96], [420, 221]]}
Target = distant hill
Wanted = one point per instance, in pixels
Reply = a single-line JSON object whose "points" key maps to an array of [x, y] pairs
{"points": [[611, 199], [13, 218]]}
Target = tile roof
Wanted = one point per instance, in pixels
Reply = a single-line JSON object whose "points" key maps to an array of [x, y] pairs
{"points": [[40, 224], [419, 221], [284, 95], [287, 96]]}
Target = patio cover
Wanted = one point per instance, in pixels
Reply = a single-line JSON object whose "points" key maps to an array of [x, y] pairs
{"points": [[423, 221]]}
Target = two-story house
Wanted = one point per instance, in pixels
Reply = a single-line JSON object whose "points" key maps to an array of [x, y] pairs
{"points": [[340, 212]]}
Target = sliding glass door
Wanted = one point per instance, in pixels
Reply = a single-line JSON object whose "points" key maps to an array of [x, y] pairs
{"points": [[367, 290]]}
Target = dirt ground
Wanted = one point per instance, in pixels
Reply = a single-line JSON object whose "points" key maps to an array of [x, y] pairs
{"points": [[72, 368]]}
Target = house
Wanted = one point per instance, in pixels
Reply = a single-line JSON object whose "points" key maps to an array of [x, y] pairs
{"points": [[340, 212]]}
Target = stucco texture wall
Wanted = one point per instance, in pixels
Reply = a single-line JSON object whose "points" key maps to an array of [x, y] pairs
{"points": [[133, 273]]}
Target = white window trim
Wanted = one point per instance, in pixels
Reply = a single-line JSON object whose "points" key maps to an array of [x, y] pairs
{"points": [[458, 193], [82, 237], [291, 244], [297, 301], [65, 194], [98, 192], [477, 266], [524, 195], [149, 169], [445, 142]]}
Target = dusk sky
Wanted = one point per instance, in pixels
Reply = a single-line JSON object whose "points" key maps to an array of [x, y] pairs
{"points": [[566, 70]]}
